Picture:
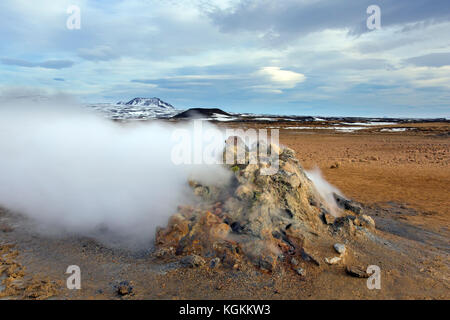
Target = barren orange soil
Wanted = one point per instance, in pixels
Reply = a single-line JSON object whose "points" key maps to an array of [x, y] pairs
{"points": [[401, 178], [410, 169]]}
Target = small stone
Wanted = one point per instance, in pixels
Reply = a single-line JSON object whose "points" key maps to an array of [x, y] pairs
{"points": [[294, 262], [214, 263], [356, 271], [340, 248], [333, 260], [192, 261], [335, 165], [124, 288], [301, 272]]}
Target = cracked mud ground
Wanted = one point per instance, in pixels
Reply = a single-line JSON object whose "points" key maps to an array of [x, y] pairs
{"points": [[407, 199]]}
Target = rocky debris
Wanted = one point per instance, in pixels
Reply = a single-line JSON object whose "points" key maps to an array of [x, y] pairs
{"points": [[340, 248], [16, 284], [39, 289], [365, 221], [192, 261], [258, 219], [328, 218], [344, 226], [357, 271], [348, 204], [177, 229], [124, 288], [333, 260], [164, 252], [296, 267]]}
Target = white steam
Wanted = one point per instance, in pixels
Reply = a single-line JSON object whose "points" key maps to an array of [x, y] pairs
{"points": [[325, 189], [74, 172]]}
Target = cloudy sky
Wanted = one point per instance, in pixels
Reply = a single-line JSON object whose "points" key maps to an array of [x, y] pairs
{"points": [[308, 57]]}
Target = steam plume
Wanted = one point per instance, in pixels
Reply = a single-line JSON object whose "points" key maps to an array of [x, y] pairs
{"points": [[74, 172], [325, 189]]}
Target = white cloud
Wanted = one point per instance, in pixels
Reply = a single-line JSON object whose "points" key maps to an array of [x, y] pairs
{"points": [[284, 79]]}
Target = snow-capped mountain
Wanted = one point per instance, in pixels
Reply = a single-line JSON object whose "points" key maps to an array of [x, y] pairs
{"points": [[147, 102], [137, 109]]}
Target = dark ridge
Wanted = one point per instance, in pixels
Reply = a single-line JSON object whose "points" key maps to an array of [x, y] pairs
{"points": [[200, 113]]}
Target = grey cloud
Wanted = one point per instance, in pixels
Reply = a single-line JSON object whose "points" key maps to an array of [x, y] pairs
{"points": [[312, 61], [101, 53], [49, 64], [174, 83], [362, 64], [431, 60], [56, 64], [18, 62], [291, 18], [388, 44], [24, 94]]}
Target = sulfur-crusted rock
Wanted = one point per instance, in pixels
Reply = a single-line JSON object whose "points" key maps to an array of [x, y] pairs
{"points": [[328, 218], [348, 204], [365, 221], [263, 218], [178, 227]]}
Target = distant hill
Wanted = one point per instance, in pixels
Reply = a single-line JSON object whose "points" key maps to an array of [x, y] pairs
{"points": [[147, 102], [137, 109], [195, 113]]}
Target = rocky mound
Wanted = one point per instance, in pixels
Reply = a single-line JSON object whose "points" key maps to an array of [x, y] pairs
{"points": [[195, 113], [257, 219]]}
